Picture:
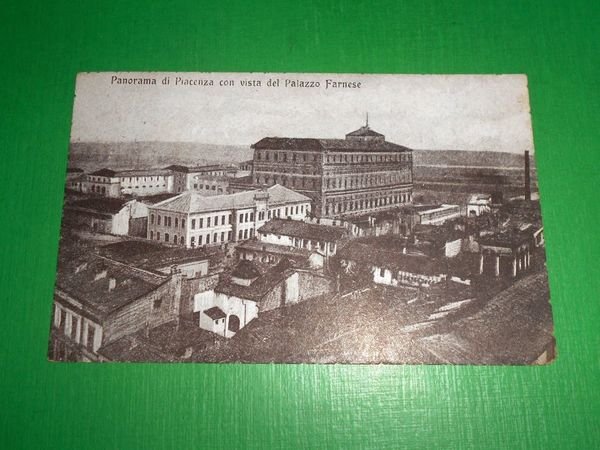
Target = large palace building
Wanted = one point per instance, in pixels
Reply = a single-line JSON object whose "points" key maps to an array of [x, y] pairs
{"points": [[360, 174]]}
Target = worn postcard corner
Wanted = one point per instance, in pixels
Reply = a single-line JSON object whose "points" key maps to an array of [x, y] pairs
{"points": [[302, 218]]}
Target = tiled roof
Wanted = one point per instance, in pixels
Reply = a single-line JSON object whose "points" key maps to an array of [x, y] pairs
{"points": [[88, 279], [143, 172], [245, 269], [271, 277], [507, 238], [296, 228], [193, 202], [166, 342], [513, 327], [104, 173], [312, 144], [370, 256], [215, 313], [260, 246], [100, 204], [151, 255], [189, 169]]}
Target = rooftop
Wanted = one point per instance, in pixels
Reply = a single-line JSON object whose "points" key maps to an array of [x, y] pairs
{"points": [[365, 132], [104, 172], [102, 285], [143, 172], [191, 169], [437, 234], [150, 255], [255, 245], [371, 256], [167, 342], [508, 238], [299, 229], [193, 202], [245, 269], [215, 313], [100, 204], [320, 145], [513, 327], [268, 279], [436, 208]]}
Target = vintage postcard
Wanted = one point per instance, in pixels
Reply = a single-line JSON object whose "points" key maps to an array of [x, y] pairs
{"points": [[302, 218]]}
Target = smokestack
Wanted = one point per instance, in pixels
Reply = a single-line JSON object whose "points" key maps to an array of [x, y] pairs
{"points": [[527, 177]]}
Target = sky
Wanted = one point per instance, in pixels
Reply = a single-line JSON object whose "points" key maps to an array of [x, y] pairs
{"points": [[446, 112]]}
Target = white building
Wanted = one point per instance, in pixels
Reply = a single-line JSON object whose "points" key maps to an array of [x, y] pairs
{"points": [[111, 183], [109, 215], [479, 204], [438, 215], [303, 235], [192, 220]]}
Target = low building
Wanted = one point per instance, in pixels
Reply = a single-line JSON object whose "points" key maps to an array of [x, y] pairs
{"points": [[441, 241], [185, 177], [75, 178], [244, 169], [506, 253], [479, 204], [196, 267], [390, 268], [302, 235], [118, 183], [267, 253], [210, 184], [438, 214], [98, 301], [108, 215], [252, 288], [191, 220], [463, 268]]}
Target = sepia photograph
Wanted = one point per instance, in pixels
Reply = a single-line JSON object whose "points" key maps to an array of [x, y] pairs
{"points": [[301, 218]]}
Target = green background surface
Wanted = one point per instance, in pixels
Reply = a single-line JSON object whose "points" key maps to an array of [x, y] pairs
{"points": [[42, 47]]}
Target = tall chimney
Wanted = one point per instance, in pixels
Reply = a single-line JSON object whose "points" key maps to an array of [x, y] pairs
{"points": [[527, 177]]}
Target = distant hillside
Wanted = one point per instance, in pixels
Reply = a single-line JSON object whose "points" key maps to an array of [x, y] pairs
{"points": [[468, 158], [124, 155]]}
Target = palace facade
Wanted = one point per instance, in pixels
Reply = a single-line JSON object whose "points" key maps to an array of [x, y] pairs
{"points": [[360, 174]]}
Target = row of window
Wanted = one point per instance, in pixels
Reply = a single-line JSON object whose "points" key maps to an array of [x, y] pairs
{"points": [[358, 205], [207, 187], [338, 158], [98, 189], [138, 179], [333, 183], [168, 238], [218, 238], [283, 156], [442, 213], [294, 182], [167, 221], [367, 180], [307, 243], [224, 219], [144, 186]]}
